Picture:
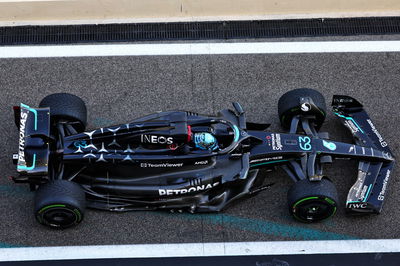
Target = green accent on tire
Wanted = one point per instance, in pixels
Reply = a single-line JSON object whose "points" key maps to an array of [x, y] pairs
{"points": [[330, 201], [303, 220], [299, 219], [300, 201], [78, 214], [40, 220], [51, 206], [333, 213]]}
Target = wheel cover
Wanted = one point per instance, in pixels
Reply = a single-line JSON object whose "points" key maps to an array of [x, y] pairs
{"points": [[59, 216], [312, 209]]}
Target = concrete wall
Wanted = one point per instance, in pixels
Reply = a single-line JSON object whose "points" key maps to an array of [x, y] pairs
{"points": [[20, 12]]}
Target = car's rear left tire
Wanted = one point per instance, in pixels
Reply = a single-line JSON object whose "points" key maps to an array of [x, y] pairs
{"points": [[59, 204]]}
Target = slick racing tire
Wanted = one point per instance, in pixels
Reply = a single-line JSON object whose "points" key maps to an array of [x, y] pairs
{"points": [[312, 201], [289, 106], [59, 204], [66, 106]]}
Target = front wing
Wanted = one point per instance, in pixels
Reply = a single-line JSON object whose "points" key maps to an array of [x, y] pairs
{"points": [[368, 192]]}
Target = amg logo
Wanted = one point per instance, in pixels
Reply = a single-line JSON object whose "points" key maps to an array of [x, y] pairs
{"points": [[357, 205], [169, 192], [201, 162], [21, 148], [156, 139]]}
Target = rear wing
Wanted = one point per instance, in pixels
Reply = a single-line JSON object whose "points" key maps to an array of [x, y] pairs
{"points": [[368, 192], [34, 136]]}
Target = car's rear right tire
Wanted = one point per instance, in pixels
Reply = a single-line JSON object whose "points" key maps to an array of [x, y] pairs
{"points": [[68, 107]]}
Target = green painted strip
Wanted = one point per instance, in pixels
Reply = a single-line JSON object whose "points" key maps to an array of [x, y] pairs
{"points": [[266, 227], [300, 201], [51, 206], [257, 164]]}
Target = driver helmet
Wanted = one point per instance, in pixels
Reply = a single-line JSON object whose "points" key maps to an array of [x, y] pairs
{"points": [[205, 141]]}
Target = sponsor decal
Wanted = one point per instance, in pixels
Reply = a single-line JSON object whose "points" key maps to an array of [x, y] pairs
{"points": [[169, 192], [276, 142], [353, 128], [330, 145], [305, 107], [201, 162], [161, 165], [381, 195], [80, 144], [156, 139], [21, 148], [352, 149], [359, 205], [342, 100], [380, 138], [305, 143], [266, 159]]}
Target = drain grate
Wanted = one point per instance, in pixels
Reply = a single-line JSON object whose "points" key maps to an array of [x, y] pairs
{"points": [[197, 30]]}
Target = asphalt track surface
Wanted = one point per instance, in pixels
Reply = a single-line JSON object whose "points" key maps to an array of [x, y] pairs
{"points": [[117, 89]]}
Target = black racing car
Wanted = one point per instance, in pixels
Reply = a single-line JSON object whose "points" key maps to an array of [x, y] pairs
{"points": [[192, 162]]}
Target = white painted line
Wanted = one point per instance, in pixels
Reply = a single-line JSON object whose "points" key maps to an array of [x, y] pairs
{"points": [[201, 250], [198, 49]]}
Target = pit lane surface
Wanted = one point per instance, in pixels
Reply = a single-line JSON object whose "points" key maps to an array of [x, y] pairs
{"points": [[117, 89]]}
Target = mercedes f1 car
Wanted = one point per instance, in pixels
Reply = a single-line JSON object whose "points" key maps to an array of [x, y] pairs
{"points": [[192, 162]]}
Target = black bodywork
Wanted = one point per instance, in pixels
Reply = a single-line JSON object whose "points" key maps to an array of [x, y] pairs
{"points": [[150, 162]]}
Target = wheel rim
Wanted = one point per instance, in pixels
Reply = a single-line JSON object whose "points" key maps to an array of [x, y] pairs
{"points": [[313, 209], [59, 216]]}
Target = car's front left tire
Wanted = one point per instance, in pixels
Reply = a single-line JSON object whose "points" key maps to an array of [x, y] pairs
{"points": [[289, 106]]}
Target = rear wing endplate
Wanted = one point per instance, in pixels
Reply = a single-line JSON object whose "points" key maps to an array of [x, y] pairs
{"points": [[33, 139]]}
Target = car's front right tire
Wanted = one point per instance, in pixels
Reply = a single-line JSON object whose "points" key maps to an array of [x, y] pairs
{"points": [[312, 201]]}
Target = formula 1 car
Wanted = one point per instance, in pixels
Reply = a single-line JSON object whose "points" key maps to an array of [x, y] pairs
{"points": [[191, 162]]}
